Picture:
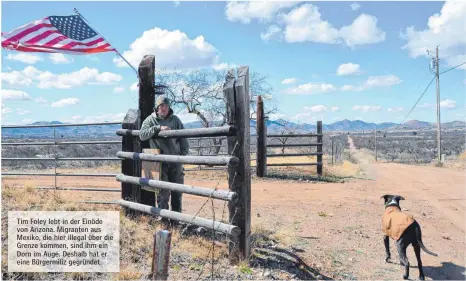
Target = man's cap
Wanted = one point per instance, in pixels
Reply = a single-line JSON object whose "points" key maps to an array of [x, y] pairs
{"points": [[162, 99]]}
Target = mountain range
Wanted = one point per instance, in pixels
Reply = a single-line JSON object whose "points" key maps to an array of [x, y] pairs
{"points": [[273, 126]]}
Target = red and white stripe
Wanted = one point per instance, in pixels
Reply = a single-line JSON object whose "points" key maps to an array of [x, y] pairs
{"points": [[42, 36]]}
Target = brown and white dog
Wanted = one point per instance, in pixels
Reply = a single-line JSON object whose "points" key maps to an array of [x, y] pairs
{"points": [[405, 230]]}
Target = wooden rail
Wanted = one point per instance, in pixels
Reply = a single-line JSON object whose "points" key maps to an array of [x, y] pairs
{"points": [[209, 224], [195, 190], [294, 154], [185, 133], [194, 160], [294, 144]]}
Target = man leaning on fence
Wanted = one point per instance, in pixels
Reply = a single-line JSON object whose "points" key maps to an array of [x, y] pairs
{"points": [[163, 119]]}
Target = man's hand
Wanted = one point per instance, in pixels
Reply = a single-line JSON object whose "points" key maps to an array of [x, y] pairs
{"points": [[164, 128]]}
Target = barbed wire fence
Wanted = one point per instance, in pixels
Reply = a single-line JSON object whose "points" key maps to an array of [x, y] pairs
{"points": [[183, 233]]}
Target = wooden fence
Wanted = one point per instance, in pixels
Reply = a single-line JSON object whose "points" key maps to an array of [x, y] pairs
{"points": [[262, 145], [134, 197]]}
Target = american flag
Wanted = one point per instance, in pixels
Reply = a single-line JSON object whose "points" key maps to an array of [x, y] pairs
{"points": [[56, 34]]}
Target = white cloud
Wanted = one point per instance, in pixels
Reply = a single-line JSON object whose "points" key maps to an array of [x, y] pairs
{"points": [[304, 23], [107, 78], [22, 111], [171, 49], [335, 108], [310, 89], [288, 81], [304, 117], [57, 58], [47, 80], [355, 6], [309, 115], [176, 3], [245, 12], [362, 31], [65, 102], [315, 108], [448, 104], [395, 109], [15, 95], [367, 108], [134, 87], [382, 81], [41, 100], [16, 78], [271, 31], [223, 66], [24, 58], [446, 29], [374, 82], [348, 69], [348, 88], [118, 89]]}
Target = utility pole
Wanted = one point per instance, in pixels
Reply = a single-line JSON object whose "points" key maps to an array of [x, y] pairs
{"points": [[439, 147], [375, 143]]}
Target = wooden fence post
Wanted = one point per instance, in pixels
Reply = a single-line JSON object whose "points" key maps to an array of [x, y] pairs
{"points": [[161, 255], [319, 148], [261, 131], [131, 192], [146, 107], [237, 96]]}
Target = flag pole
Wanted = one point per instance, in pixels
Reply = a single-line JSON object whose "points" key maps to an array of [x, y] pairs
{"points": [[81, 16]]}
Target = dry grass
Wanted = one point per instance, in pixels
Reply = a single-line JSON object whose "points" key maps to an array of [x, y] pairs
{"points": [[456, 163], [136, 235], [199, 248], [344, 169], [285, 236]]}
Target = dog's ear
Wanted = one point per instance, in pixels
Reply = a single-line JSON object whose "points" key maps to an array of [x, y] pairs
{"points": [[385, 197], [400, 197]]}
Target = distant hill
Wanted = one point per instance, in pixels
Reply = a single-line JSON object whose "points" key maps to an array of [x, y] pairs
{"points": [[453, 124], [273, 126], [416, 124]]}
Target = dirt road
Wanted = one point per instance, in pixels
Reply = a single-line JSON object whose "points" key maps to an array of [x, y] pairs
{"points": [[336, 227]]}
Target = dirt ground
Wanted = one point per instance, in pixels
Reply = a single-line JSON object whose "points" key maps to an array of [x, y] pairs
{"points": [[336, 227]]}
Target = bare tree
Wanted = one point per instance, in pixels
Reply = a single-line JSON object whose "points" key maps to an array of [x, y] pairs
{"points": [[201, 92], [284, 133]]}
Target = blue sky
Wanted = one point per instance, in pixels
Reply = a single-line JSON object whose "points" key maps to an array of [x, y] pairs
{"points": [[325, 60]]}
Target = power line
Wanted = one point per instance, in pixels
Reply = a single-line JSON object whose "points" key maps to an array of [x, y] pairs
{"points": [[452, 68], [416, 103]]}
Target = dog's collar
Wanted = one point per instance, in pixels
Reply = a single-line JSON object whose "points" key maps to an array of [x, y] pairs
{"points": [[392, 205]]}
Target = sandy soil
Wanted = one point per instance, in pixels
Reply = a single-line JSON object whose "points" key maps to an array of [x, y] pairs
{"points": [[336, 227]]}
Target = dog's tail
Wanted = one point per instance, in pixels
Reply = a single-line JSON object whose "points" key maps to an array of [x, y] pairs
{"points": [[419, 241]]}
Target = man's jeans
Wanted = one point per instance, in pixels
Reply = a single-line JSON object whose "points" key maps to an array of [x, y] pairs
{"points": [[171, 173]]}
